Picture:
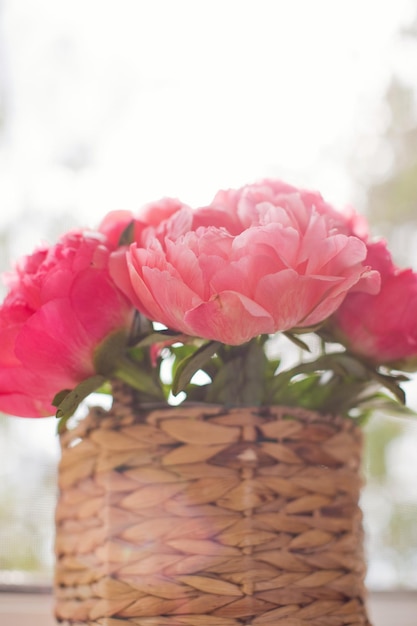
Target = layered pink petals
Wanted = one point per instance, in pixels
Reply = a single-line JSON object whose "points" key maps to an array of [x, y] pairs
{"points": [[276, 262], [261, 259], [168, 217], [290, 204], [382, 327], [61, 305]]}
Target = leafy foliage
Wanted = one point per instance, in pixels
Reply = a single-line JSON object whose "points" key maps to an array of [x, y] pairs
{"points": [[336, 382], [68, 400], [333, 382]]}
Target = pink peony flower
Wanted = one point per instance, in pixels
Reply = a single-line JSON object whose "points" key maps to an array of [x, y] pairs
{"points": [[60, 306], [382, 327], [250, 203], [167, 217], [281, 264]]}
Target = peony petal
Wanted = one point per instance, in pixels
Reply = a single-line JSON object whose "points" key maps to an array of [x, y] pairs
{"points": [[169, 298], [113, 225], [290, 298], [337, 253], [230, 318], [280, 244], [99, 305], [21, 405], [186, 266], [241, 276], [55, 335], [141, 288], [124, 274], [382, 327], [211, 216], [326, 307], [62, 303], [156, 213]]}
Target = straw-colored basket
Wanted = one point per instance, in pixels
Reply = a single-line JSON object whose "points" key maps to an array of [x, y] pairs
{"points": [[209, 516]]}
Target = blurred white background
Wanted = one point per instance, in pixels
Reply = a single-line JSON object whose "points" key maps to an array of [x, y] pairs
{"points": [[110, 104]]}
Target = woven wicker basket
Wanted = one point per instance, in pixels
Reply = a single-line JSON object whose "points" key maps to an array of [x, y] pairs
{"points": [[207, 516]]}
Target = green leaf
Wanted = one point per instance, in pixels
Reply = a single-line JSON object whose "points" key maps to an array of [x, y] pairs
{"points": [[301, 392], [348, 365], [59, 397], [140, 376], [108, 353], [141, 327], [197, 393], [297, 341], [391, 383], [387, 404], [160, 336], [114, 359], [68, 401], [128, 234], [240, 379], [188, 366]]}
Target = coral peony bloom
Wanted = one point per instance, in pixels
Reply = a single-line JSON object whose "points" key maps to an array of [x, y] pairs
{"points": [[60, 306], [285, 265], [167, 217], [250, 203], [382, 327]]}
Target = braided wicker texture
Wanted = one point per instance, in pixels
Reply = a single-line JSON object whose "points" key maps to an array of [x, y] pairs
{"points": [[203, 516]]}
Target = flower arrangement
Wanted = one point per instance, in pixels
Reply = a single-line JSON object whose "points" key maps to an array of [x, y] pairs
{"points": [[209, 290]]}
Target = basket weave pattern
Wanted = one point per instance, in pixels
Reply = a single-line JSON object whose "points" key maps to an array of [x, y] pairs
{"points": [[207, 516]]}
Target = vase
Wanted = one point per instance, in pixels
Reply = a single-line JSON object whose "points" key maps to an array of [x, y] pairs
{"points": [[205, 515]]}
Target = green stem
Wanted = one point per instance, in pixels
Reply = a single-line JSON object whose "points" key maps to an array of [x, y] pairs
{"points": [[130, 373]]}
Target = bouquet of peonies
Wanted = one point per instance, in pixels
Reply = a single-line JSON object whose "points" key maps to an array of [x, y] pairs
{"points": [[208, 290]]}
